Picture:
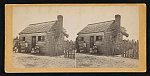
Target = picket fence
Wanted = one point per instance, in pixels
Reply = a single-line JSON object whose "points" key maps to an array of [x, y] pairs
{"points": [[69, 51]]}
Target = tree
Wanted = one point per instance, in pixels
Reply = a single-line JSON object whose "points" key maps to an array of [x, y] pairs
{"points": [[65, 34], [123, 31]]}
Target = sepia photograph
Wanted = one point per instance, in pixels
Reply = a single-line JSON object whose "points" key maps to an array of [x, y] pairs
{"points": [[75, 37]]}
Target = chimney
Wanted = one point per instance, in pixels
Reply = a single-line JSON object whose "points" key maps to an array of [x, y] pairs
{"points": [[60, 19], [60, 22], [59, 26], [117, 21]]}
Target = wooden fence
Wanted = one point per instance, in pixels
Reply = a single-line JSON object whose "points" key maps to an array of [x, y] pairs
{"points": [[130, 54], [130, 49], [69, 54], [69, 49]]}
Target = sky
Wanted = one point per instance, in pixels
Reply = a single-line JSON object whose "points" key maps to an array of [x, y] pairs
{"points": [[76, 17]]}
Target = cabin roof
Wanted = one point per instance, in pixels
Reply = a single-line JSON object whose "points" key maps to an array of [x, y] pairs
{"points": [[38, 27], [96, 27], [99, 27]]}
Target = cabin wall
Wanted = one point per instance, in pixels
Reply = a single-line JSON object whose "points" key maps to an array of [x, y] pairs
{"points": [[50, 44], [60, 45], [55, 46], [108, 45], [87, 40], [28, 38], [111, 47]]}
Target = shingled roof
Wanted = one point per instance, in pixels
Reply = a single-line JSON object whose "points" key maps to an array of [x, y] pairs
{"points": [[99, 27], [38, 27], [96, 27]]}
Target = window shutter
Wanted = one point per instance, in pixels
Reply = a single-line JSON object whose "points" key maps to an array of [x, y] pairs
{"points": [[43, 38]]}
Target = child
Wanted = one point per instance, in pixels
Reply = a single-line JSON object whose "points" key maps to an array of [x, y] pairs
{"points": [[37, 49], [95, 48], [32, 50]]}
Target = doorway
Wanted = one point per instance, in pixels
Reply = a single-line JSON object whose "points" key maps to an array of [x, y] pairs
{"points": [[33, 41], [91, 41]]}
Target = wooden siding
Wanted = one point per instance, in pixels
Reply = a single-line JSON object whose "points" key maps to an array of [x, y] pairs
{"points": [[28, 38], [106, 46], [50, 44], [55, 47], [107, 43], [87, 39]]}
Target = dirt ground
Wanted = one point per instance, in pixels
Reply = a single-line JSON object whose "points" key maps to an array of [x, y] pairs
{"points": [[85, 60], [23, 60]]}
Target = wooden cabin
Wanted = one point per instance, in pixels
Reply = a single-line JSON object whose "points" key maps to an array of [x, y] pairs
{"points": [[105, 35], [49, 36]]}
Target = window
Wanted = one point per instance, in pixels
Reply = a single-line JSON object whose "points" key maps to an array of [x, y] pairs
{"points": [[82, 38], [39, 38], [23, 38], [99, 38], [43, 38]]}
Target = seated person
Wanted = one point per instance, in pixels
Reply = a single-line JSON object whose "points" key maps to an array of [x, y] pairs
{"points": [[94, 49]]}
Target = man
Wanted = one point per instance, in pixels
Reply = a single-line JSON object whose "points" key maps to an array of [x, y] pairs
{"points": [[26, 46], [19, 47]]}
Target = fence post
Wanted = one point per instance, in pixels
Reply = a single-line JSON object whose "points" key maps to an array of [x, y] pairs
{"points": [[65, 53], [71, 54], [125, 54]]}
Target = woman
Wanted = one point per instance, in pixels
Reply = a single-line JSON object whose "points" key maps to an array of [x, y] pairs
{"points": [[26, 46], [84, 46]]}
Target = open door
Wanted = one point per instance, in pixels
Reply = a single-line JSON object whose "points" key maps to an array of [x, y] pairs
{"points": [[33, 41], [91, 41]]}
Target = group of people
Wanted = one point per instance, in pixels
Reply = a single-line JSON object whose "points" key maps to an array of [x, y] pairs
{"points": [[93, 48], [18, 47]]}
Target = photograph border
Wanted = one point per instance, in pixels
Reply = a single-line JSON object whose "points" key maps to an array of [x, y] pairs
{"points": [[9, 41]]}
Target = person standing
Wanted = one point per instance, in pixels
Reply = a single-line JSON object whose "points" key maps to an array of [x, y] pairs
{"points": [[15, 46], [26, 46], [19, 47], [84, 46]]}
